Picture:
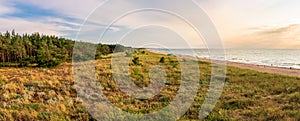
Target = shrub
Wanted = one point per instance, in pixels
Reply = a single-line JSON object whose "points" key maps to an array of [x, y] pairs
{"points": [[50, 63], [136, 61], [162, 60], [295, 97], [24, 63], [128, 54], [238, 104]]}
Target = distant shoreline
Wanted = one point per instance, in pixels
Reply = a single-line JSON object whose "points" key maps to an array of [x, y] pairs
{"points": [[261, 68]]}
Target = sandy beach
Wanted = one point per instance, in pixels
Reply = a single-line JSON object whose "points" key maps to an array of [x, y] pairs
{"points": [[260, 68]]}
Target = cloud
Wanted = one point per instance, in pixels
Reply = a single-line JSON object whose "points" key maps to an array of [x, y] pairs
{"points": [[6, 8], [270, 37], [277, 30], [12, 14], [144, 18], [79, 9], [65, 17], [29, 26]]}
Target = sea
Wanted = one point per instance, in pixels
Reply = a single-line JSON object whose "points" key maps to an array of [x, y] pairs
{"points": [[286, 58]]}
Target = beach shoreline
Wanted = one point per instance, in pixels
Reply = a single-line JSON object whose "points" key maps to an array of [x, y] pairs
{"points": [[261, 68]]}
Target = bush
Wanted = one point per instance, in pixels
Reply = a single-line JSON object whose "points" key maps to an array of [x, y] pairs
{"points": [[162, 60], [136, 61], [128, 54], [24, 63], [50, 63], [238, 104], [54, 62], [295, 98]]}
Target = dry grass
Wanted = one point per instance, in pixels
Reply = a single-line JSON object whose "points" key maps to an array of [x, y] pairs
{"points": [[50, 94]]}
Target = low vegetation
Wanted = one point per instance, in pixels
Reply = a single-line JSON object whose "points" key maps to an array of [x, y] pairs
{"points": [[50, 94]]}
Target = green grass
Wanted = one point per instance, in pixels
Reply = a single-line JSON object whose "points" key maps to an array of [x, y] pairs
{"points": [[49, 94]]}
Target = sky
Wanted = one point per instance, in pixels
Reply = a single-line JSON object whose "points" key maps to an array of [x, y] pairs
{"points": [[239, 23]]}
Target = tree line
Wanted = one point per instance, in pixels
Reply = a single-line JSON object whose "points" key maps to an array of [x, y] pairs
{"points": [[46, 51]]}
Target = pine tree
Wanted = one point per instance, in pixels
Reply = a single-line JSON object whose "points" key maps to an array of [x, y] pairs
{"points": [[46, 51]]}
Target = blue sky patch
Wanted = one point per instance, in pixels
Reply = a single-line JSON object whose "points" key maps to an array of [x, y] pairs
{"points": [[30, 11]]}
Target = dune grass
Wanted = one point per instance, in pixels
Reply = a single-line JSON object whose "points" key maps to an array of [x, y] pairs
{"points": [[50, 94]]}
